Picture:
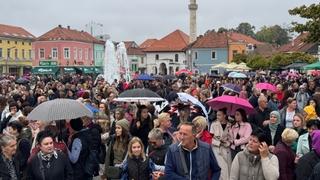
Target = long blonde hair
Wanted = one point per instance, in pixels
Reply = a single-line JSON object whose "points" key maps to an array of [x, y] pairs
{"points": [[136, 140]]}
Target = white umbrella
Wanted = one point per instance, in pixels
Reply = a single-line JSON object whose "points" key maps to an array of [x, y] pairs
{"points": [[139, 95], [59, 109], [184, 97]]}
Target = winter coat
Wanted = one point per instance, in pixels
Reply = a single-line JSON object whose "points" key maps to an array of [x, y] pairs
{"points": [[137, 169], [247, 166], [303, 146], [316, 173], [4, 172], [58, 168], [286, 161], [244, 131], [283, 114], [200, 161], [259, 117], [305, 165], [277, 136], [221, 148], [206, 137]]}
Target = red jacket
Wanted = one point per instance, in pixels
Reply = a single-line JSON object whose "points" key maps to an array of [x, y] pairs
{"points": [[206, 137]]}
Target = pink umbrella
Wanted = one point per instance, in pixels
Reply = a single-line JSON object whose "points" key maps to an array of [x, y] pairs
{"points": [[266, 86], [232, 103], [183, 71]]}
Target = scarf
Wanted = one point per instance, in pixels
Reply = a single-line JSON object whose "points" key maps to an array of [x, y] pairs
{"points": [[316, 141], [273, 127], [11, 168]]}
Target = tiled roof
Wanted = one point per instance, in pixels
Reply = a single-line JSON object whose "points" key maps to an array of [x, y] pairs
{"points": [[212, 40], [67, 34], [297, 45], [133, 48], [14, 32], [147, 43], [175, 41], [238, 37], [265, 50]]}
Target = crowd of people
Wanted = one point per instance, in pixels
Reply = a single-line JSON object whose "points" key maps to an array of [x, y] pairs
{"points": [[174, 139]]}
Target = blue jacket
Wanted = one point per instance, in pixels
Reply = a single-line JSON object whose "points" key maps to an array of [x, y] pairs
{"points": [[203, 163]]}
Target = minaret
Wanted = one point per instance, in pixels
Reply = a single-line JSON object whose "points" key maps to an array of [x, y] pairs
{"points": [[193, 20]]}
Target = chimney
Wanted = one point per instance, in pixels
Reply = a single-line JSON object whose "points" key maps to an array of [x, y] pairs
{"points": [[68, 27], [59, 26]]}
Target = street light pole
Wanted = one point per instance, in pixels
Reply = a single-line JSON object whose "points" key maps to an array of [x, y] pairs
{"points": [[8, 56]]}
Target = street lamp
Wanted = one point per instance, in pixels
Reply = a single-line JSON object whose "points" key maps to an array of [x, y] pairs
{"points": [[8, 56]]}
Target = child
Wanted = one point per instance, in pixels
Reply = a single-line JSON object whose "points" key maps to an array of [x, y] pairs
{"points": [[137, 165]]}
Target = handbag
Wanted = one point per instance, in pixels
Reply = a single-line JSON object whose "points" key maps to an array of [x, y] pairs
{"points": [[113, 172]]}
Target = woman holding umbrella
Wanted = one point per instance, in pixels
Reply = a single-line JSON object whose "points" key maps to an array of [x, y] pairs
{"points": [[240, 132]]}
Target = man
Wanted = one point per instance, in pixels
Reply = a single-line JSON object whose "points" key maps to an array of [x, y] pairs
{"points": [[191, 158], [261, 117], [157, 148], [302, 97], [253, 100]]}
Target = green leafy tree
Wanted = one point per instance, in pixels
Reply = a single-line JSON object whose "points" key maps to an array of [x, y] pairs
{"points": [[312, 25], [258, 62], [246, 28], [239, 58], [273, 35], [222, 29]]}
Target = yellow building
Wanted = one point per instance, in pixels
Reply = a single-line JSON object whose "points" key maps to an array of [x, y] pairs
{"points": [[15, 50], [235, 48]]}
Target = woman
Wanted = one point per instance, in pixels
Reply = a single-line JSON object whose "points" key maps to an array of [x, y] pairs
{"points": [[137, 166], [288, 112], [304, 141], [9, 166], [201, 127], [117, 149], [104, 110], [255, 162], [285, 155], [273, 130], [221, 143], [142, 125], [310, 110], [49, 163], [240, 132], [118, 115], [163, 122]]}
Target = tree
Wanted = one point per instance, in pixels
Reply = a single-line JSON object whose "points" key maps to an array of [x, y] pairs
{"points": [[239, 58], [273, 35], [222, 29], [257, 62], [312, 25], [246, 28]]}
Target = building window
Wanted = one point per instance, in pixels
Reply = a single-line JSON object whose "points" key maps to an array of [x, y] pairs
{"points": [[86, 54], [15, 42], [157, 56], [30, 54], [22, 43], [213, 55], [23, 56], [195, 55], [142, 60], [54, 53], [29, 43], [8, 42], [66, 52], [80, 54], [0, 41], [1, 53], [75, 53], [41, 53], [234, 52], [16, 53], [176, 57]]}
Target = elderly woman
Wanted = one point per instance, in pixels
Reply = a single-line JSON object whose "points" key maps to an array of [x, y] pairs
{"points": [[273, 130], [201, 127], [255, 162], [288, 112], [9, 166], [49, 163], [285, 155], [163, 122], [221, 143]]}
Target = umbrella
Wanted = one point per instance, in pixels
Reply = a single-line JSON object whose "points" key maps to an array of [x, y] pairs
{"points": [[139, 95], [92, 108], [296, 65], [232, 103], [184, 97], [145, 77], [59, 109], [266, 86], [237, 75], [22, 81], [159, 77], [169, 77], [232, 87], [183, 71]]}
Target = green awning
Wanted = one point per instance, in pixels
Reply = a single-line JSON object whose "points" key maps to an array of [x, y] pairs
{"points": [[69, 70], [98, 70], [44, 70], [87, 70], [315, 65]]}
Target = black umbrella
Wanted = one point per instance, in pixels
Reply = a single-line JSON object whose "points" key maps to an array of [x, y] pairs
{"points": [[169, 77], [22, 81], [139, 95]]}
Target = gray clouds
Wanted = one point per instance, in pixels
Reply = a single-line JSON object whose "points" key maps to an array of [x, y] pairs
{"points": [[141, 19]]}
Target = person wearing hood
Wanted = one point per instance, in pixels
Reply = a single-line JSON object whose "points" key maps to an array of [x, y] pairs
{"points": [[255, 162], [273, 130], [307, 162]]}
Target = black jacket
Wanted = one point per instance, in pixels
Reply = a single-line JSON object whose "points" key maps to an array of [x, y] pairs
{"points": [[4, 172], [256, 119], [305, 165], [59, 168], [277, 136]]}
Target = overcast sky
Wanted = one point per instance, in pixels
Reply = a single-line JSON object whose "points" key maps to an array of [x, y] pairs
{"points": [[142, 19]]}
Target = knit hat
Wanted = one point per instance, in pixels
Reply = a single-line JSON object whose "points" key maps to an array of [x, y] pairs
{"points": [[123, 123], [316, 141], [76, 124]]}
